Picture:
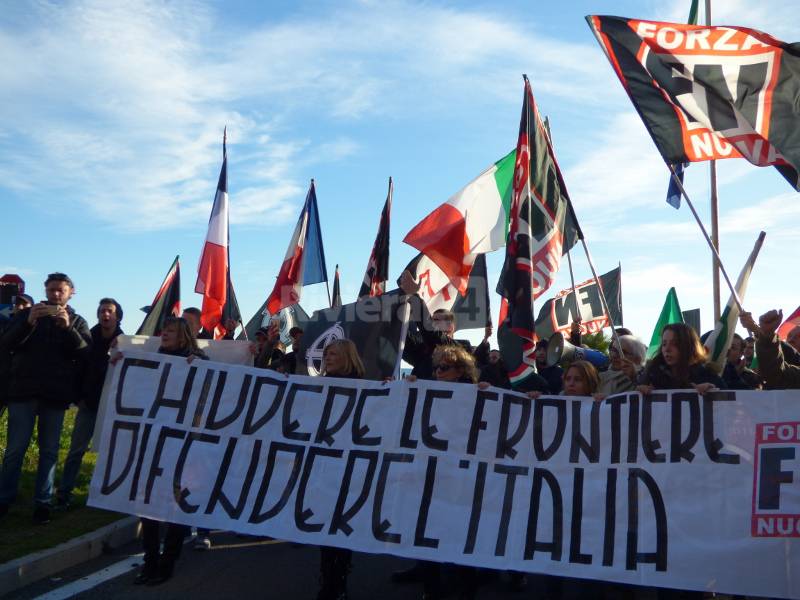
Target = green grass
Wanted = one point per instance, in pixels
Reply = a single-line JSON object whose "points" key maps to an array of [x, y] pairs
{"points": [[18, 535]]}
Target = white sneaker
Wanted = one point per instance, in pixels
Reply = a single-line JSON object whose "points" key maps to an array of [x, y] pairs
{"points": [[202, 543]]}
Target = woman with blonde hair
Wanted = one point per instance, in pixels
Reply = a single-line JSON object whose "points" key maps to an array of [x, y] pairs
{"points": [[453, 363], [339, 359], [177, 339]]}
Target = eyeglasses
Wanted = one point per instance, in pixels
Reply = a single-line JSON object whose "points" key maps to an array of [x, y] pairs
{"points": [[444, 367]]}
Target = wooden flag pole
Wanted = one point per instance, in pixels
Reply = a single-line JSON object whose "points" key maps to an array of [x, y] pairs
{"points": [[677, 181], [716, 264]]}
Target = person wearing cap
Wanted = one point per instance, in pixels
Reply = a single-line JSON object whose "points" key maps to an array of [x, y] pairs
{"points": [[21, 302], [48, 342]]}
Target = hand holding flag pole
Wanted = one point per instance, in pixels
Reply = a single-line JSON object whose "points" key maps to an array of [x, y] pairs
{"points": [[679, 184]]}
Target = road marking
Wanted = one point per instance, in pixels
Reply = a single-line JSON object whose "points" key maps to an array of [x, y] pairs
{"points": [[93, 580], [124, 566]]}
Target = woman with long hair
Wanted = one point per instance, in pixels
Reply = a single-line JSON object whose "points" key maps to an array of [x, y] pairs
{"points": [[681, 363], [177, 339], [339, 359]]}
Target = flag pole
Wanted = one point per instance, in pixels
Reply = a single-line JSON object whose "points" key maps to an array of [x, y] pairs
{"points": [[405, 317], [614, 335], [716, 264], [569, 259], [572, 281], [579, 232], [677, 181], [327, 287]]}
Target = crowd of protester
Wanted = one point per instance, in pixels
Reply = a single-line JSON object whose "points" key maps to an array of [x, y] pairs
{"points": [[51, 359]]}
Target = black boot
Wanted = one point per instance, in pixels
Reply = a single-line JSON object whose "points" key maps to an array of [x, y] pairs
{"points": [[334, 564]]}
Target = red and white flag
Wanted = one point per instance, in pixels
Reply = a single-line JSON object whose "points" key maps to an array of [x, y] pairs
{"points": [[212, 272], [289, 284]]}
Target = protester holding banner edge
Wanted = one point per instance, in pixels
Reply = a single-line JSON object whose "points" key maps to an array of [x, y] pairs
{"points": [[341, 360], [177, 339], [681, 363], [626, 363]]}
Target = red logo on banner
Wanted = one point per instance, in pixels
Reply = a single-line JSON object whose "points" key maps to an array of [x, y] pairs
{"points": [[776, 493]]}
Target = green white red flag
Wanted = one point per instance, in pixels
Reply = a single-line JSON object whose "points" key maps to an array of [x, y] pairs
{"points": [[472, 222]]}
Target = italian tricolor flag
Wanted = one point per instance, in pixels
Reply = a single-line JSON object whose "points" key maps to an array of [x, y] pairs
{"points": [[472, 222]]}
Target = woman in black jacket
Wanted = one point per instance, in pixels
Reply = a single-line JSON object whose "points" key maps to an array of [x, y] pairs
{"points": [[681, 364], [340, 359], [176, 340]]}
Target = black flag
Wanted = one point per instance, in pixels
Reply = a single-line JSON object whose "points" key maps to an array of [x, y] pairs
{"points": [[166, 303], [373, 324]]}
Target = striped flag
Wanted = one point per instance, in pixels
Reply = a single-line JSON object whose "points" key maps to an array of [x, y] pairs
{"points": [[304, 262], [542, 225], [472, 222], [213, 274], [719, 340], [378, 266], [167, 302]]}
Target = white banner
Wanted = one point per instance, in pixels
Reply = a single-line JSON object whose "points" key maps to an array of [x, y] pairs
{"points": [[670, 490]]}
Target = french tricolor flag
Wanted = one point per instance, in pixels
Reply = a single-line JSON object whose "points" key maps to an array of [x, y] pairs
{"points": [[304, 262], [212, 272]]}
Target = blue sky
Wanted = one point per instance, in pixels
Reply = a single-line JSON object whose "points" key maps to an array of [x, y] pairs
{"points": [[113, 116]]}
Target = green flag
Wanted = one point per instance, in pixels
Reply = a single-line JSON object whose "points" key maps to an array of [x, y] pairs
{"points": [[671, 313]]}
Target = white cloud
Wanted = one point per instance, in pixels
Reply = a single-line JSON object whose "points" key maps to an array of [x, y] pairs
{"points": [[120, 106]]}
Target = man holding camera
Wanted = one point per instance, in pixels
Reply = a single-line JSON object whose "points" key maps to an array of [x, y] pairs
{"points": [[49, 341]]}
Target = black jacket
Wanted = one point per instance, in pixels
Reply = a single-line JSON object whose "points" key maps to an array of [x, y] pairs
{"points": [[187, 352], [46, 361], [96, 367], [734, 380], [661, 378], [422, 339], [553, 375]]}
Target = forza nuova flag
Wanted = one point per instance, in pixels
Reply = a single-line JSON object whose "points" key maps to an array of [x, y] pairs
{"points": [[167, 302], [542, 225], [374, 324], [472, 222], [377, 272], [708, 93], [558, 313]]}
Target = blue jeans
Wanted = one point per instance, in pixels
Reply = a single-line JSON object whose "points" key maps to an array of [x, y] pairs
{"points": [[21, 419], [81, 438]]}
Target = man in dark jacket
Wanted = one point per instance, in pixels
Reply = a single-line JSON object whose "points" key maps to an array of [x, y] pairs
{"points": [[778, 373], [551, 374], [48, 342], [109, 315]]}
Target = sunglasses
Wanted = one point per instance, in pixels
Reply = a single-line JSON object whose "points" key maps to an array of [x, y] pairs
{"points": [[444, 367]]}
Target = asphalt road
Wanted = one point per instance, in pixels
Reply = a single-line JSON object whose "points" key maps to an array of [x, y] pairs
{"points": [[244, 567]]}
